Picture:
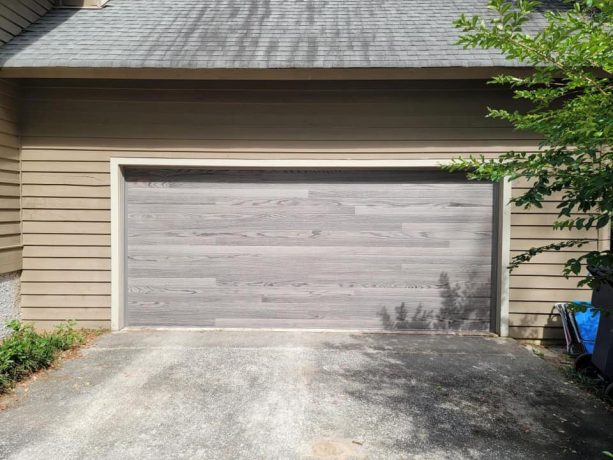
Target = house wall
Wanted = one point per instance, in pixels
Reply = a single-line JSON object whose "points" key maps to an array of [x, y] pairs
{"points": [[16, 15], [10, 218], [72, 128]]}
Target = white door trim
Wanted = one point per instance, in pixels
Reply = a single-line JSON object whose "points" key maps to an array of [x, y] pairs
{"points": [[118, 275], [503, 258]]}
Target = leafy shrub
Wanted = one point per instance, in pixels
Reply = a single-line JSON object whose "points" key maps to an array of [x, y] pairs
{"points": [[25, 351]]}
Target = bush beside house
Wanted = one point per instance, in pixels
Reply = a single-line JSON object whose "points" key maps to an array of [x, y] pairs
{"points": [[25, 351]]}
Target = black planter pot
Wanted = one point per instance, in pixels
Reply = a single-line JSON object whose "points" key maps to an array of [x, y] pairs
{"points": [[602, 358]]}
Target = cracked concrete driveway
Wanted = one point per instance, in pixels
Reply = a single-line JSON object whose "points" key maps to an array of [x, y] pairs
{"points": [[165, 394]]}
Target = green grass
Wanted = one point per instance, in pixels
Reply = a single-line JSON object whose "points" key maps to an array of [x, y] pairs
{"points": [[25, 351]]}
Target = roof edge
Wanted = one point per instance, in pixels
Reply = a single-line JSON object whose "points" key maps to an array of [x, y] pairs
{"points": [[417, 73], [81, 4]]}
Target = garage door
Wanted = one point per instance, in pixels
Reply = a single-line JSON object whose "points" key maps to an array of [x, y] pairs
{"points": [[300, 248]]}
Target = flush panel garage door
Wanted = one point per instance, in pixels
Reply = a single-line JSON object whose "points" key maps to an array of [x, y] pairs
{"points": [[298, 248]]}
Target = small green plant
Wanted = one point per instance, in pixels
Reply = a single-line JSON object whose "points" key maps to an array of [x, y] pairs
{"points": [[538, 353], [589, 383], [25, 351]]}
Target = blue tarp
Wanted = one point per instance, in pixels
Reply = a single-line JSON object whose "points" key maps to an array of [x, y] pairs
{"points": [[587, 322]]}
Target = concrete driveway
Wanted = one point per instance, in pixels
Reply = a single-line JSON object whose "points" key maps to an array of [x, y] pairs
{"points": [[252, 395]]}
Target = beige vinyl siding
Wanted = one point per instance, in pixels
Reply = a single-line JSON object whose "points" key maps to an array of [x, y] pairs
{"points": [[72, 129], [16, 15], [535, 287], [10, 213]]}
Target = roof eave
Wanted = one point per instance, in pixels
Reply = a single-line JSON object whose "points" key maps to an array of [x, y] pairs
{"points": [[417, 73]]}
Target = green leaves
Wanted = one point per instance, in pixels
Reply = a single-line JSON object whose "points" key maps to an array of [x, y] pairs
{"points": [[532, 252], [25, 351], [568, 101]]}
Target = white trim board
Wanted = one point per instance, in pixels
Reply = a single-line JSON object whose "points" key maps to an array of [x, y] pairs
{"points": [[503, 258], [276, 163], [118, 281]]}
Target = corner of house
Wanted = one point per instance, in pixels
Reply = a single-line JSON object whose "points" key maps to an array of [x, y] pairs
{"points": [[10, 208], [10, 287]]}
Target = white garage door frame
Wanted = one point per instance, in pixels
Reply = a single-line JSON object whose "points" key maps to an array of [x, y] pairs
{"points": [[118, 274]]}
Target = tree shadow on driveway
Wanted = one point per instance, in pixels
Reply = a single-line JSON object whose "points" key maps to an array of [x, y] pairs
{"points": [[473, 397]]}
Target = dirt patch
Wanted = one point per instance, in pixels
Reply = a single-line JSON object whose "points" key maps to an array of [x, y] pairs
{"points": [[557, 357], [337, 449]]}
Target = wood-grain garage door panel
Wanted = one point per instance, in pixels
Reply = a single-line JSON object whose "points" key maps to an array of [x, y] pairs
{"points": [[375, 249]]}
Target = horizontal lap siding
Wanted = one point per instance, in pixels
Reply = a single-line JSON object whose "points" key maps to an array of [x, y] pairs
{"points": [[16, 15], [71, 132], [536, 286], [10, 213]]}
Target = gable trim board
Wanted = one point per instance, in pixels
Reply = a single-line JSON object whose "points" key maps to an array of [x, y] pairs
{"points": [[81, 4], [499, 311]]}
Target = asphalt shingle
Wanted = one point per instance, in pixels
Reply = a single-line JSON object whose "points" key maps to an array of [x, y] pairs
{"points": [[253, 34]]}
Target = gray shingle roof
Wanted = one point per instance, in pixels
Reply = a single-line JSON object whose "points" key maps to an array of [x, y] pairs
{"points": [[253, 34]]}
